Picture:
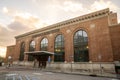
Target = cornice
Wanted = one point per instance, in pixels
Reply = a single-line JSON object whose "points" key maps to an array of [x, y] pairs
{"points": [[82, 18]]}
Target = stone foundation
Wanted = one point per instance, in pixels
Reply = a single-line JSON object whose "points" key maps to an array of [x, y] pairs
{"points": [[77, 67], [88, 67]]}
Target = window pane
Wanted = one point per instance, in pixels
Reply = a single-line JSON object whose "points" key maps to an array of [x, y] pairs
{"points": [[31, 48], [22, 50], [44, 44], [85, 36], [79, 33], [81, 46], [59, 49]]}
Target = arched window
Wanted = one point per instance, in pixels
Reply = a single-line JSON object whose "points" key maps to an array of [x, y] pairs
{"points": [[44, 44], [22, 50], [31, 48], [59, 49], [81, 53]]}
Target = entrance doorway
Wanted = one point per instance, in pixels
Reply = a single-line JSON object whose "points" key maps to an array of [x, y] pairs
{"points": [[41, 57], [42, 61]]}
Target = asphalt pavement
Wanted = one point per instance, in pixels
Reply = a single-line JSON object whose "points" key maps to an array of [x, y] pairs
{"points": [[29, 73]]}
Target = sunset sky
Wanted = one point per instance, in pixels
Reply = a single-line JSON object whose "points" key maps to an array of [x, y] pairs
{"points": [[21, 16]]}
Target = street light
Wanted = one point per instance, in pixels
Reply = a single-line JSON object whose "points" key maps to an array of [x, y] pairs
{"points": [[71, 57], [9, 60], [99, 57], [9, 57], [91, 65]]}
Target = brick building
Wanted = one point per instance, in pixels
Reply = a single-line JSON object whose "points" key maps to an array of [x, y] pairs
{"points": [[10, 52], [91, 38]]}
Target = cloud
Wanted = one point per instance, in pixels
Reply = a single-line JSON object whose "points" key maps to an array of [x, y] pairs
{"points": [[69, 6], [82, 8], [2, 51], [101, 4], [24, 18], [14, 29], [9, 11], [21, 22], [6, 36], [28, 21], [17, 26], [5, 10], [56, 11]]}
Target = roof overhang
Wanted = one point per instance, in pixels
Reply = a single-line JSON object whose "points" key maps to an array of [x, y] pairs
{"points": [[38, 53]]}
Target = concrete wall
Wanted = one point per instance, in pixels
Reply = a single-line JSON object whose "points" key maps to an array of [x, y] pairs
{"points": [[96, 67], [77, 67]]}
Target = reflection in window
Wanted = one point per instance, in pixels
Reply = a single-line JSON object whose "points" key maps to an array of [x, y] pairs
{"points": [[31, 48], [59, 49], [44, 44], [81, 46], [22, 50]]}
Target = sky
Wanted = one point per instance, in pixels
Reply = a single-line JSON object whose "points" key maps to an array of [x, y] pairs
{"points": [[21, 16]]}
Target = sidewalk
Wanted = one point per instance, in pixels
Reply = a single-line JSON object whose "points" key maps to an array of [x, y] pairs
{"points": [[16, 67], [110, 75], [103, 74]]}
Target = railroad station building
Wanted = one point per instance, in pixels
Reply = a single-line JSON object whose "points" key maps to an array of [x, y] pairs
{"points": [[92, 38]]}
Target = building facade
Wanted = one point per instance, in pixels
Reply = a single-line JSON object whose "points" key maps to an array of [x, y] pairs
{"points": [[10, 52], [91, 38]]}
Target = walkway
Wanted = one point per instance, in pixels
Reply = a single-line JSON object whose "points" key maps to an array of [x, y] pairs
{"points": [[8, 72]]}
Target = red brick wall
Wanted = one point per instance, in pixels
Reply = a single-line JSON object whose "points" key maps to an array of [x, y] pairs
{"points": [[115, 38], [99, 40], [102, 39], [10, 52]]}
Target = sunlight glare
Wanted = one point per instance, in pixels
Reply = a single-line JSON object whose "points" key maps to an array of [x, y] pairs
{"points": [[2, 51]]}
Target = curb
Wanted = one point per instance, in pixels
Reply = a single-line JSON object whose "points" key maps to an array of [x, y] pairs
{"points": [[92, 75]]}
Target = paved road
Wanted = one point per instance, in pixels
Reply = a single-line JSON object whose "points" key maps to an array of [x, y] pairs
{"points": [[27, 74]]}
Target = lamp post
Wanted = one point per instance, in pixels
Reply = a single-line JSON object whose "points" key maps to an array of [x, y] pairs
{"points": [[9, 60], [71, 57], [99, 57], [91, 66]]}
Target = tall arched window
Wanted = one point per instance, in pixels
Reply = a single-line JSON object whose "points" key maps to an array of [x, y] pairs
{"points": [[81, 53], [59, 49], [31, 48], [44, 44], [22, 50]]}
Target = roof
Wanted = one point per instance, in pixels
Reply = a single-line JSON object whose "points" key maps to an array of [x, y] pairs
{"points": [[36, 53]]}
